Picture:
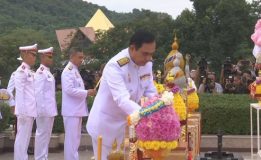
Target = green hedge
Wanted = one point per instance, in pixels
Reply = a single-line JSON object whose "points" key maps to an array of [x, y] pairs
{"points": [[6, 115], [58, 122], [228, 112]]}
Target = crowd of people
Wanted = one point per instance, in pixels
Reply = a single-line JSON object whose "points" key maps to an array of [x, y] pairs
{"points": [[234, 78]]}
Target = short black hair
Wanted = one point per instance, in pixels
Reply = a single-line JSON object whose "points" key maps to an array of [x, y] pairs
{"points": [[74, 50], [140, 37]]}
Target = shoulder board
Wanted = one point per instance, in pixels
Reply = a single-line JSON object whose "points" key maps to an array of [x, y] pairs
{"points": [[123, 61], [70, 67]]}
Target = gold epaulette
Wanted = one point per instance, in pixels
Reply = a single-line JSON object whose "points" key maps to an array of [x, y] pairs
{"points": [[123, 61]]}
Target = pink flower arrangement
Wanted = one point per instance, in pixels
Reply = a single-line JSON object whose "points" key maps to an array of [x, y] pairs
{"points": [[256, 36], [162, 125]]}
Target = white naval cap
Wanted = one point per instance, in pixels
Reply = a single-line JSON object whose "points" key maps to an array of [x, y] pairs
{"points": [[28, 48], [19, 58], [46, 51]]}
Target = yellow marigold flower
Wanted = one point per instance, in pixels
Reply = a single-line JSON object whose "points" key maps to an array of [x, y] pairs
{"points": [[140, 144], [156, 146], [193, 102], [179, 106], [146, 145], [163, 144]]}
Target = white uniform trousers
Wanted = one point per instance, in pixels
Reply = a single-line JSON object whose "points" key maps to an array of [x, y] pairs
{"points": [[72, 127], [105, 150], [24, 131], [42, 137]]}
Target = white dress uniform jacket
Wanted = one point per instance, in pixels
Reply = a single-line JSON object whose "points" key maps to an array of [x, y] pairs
{"points": [[45, 92], [10, 89], [73, 92], [122, 85], [25, 91]]}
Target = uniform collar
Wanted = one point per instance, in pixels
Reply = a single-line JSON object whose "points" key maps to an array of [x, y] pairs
{"points": [[26, 65], [73, 65], [47, 68], [132, 63]]}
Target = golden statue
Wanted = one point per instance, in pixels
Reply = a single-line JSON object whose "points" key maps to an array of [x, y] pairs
{"points": [[158, 76], [174, 67], [173, 54], [116, 154]]}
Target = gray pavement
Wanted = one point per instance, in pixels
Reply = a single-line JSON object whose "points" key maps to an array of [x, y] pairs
{"points": [[84, 155], [88, 154]]}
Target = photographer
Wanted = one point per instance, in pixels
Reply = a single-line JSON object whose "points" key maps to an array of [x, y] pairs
{"points": [[247, 79], [228, 85], [238, 87], [202, 69], [209, 84]]}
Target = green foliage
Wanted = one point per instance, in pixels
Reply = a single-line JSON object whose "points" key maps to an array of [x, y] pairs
{"points": [[113, 41], [6, 114], [228, 112], [10, 43], [217, 29], [58, 126]]}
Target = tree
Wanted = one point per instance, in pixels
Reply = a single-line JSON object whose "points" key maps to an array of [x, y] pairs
{"points": [[9, 47]]}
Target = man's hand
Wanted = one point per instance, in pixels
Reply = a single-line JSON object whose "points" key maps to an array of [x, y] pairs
{"points": [[12, 109], [91, 92]]}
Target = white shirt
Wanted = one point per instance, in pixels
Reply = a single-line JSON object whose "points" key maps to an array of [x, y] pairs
{"points": [[45, 92], [121, 88], [218, 88], [25, 91], [73, 92], [11, 88]]}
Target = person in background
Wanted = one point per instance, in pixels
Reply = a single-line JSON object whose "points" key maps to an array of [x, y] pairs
{"points": [[25, 103], [209, 84], [74, 105], [46, 104]]}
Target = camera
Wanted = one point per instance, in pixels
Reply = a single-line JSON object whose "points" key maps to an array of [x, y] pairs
{"points": [[228, 68], [209, 84], [203, 65]]}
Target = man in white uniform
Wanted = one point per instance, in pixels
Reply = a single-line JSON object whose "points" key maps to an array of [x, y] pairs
{"points": [[74, 105], [25, 103], [126, 78], [46, 104], [11, 87]]}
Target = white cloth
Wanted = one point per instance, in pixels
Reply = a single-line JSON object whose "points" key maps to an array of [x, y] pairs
{"points": [[72, 127], [25, 91], [105, 150], [73, 92], [42, 137], [11, 88], [45, 92], [120, 91], [24, 131]]}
